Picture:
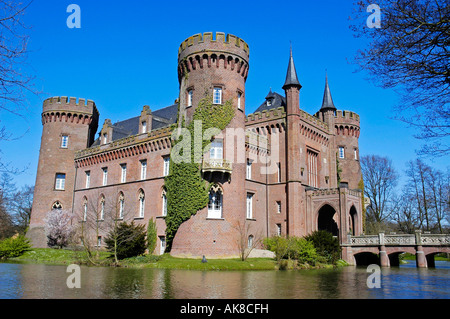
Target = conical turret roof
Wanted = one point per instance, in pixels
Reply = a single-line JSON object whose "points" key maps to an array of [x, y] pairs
{"points": [[327, 102], [291, 76]]}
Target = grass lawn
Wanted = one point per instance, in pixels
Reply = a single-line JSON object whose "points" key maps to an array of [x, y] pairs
{"points": [[66, 257]]}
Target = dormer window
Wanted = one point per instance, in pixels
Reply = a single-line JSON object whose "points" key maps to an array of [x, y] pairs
{"points": [[269, 102], [144, 127], [105, 138]]}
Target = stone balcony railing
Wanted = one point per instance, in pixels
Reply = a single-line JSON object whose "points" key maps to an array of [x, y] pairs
{"points": [[400, 240], [217, 165]]}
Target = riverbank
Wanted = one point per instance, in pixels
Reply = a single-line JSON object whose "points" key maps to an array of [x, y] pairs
{"points": [[101, 258]]}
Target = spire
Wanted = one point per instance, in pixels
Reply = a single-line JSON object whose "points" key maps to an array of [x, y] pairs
{"points": [[291, 76], [327, 102]]}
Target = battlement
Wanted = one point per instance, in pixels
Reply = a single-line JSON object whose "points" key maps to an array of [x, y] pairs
{"points": [[64, 100], [221, 41], [265, 115], [346, 117]]}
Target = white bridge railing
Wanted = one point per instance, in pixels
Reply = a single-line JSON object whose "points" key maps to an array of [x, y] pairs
{"points": [[400, 240]]}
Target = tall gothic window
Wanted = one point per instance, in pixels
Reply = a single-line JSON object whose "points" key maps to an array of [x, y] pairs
{"points": [[215, 202], [141, 203], [312, 168], [121, 205]]}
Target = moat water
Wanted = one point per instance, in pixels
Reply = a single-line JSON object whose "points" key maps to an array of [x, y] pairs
{"points": [[26, 281]]}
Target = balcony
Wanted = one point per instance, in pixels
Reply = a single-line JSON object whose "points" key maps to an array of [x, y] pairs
{"points": [[217, 165]]}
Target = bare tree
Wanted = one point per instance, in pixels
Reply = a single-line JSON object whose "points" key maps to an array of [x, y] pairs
{"points": [[247, 240], [380, 180], [22, 203], [14, 82], [410, 52]]}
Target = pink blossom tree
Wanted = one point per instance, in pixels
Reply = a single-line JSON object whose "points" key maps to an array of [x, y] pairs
{"points": [[59, 228]]}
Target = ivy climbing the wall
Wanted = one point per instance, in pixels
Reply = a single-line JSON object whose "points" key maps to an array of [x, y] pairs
{"points": [[187, 192]]}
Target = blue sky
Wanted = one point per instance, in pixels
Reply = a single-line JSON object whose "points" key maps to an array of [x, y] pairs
{"points": [[124, 56]]}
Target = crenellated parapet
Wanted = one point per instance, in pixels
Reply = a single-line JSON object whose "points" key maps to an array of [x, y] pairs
{"points": [[265, 115], [347, 123], [71, 110], [203, 51]]}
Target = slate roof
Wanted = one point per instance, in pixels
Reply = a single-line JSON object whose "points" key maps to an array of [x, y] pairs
{"points": [[327, 102], [160, 118], [273, 101], [291, 75]]}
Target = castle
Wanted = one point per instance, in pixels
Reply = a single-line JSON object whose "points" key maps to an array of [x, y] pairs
{"points": [[300, 172]]}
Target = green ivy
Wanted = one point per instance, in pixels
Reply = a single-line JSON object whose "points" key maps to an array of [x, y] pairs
{"points": [[186, 190]]}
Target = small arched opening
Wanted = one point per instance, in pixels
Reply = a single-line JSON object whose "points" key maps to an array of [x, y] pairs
{"points": [[366, 258]]}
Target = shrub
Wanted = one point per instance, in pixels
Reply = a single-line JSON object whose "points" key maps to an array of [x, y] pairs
{"points": [[277, 244], [302, 250], [126, 240], [326, 245], [151, 236], [14, 247], [293, 247]]}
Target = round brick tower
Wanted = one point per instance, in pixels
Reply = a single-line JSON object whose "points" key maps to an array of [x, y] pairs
{"points": [[68, 127], [216, 68]]}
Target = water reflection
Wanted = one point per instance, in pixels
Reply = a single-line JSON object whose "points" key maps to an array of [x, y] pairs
{"points": [[46, 281]]}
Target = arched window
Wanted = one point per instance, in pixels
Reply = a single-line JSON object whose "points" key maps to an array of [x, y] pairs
{"points": [[85, 208], [57, 205], [164, 203], [250, 241], [102, 208], [121, 205], [215, 202], [141, 203]]}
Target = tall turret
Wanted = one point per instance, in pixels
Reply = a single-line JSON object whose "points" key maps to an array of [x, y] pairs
{"points": [[217, 69], [68, 126]]}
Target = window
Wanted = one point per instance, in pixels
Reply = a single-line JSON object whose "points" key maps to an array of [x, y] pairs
{"points": [[60, 181], [105, 176], [341, 152], [217, 97], [102, 208], [123, 176], [121, 205], [144, 127], [64, 141], [216, 151], [99, 241], [215, 203], [189, 97], [88, 178], [249, 205], [57, 205], [312, 168], [162, 247], [239, 95], [278, 229], [143, 169], [279, 172], [141, 203], [278, 207], [166, 166], [85, 209], [164, 204], [355, 151], [250, 241], [105, 138], [248, 172]]}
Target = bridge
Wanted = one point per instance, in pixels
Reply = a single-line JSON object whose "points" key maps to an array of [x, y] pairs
{"points": [[385, 249]]}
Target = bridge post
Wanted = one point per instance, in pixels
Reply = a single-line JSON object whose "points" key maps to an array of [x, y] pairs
{"points": [[384, 258], [421, 261]]}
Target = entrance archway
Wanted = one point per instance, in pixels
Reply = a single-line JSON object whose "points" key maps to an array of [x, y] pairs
{"points": [[352, 224], [325, 220]]}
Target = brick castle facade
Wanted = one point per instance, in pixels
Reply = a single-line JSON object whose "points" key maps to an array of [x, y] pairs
{"points": [[288, 173]]}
